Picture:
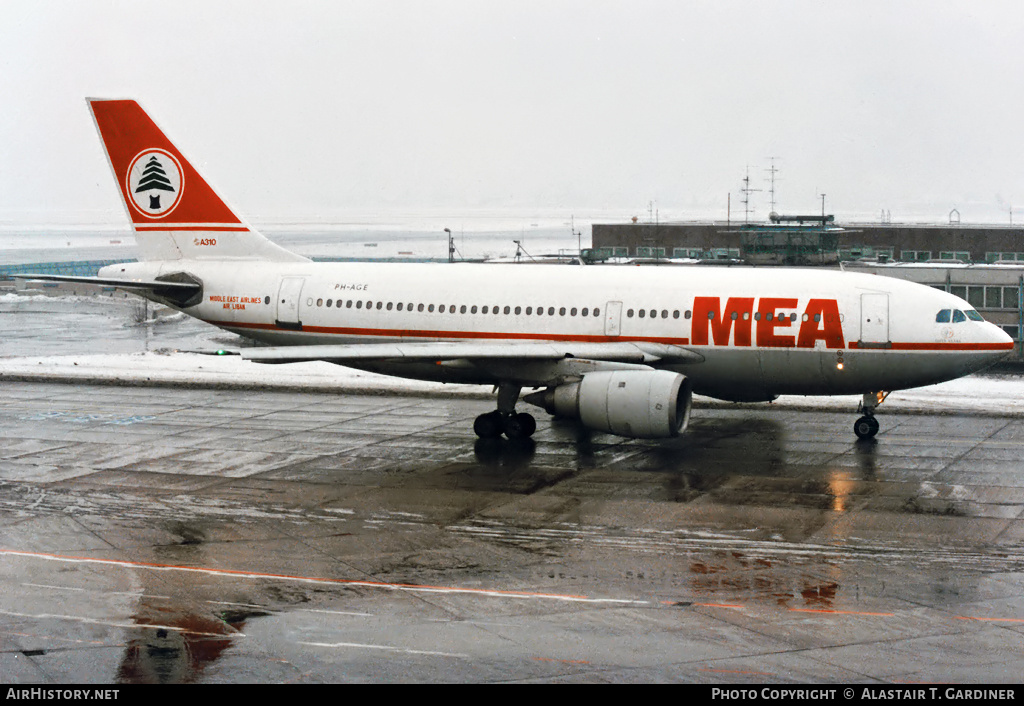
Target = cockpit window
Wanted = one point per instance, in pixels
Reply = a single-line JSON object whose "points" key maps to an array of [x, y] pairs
{"points": [[973, 315], [958, 316], [943, 316]]}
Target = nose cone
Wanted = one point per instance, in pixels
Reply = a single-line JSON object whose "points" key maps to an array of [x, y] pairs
{"points": [[992, 345]]}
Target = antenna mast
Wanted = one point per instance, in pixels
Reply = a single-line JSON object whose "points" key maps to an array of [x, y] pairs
{"points": [[772, 171], [747, 191]]}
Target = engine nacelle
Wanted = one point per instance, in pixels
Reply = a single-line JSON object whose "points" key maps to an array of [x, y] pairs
{"points": [[641, 404]]}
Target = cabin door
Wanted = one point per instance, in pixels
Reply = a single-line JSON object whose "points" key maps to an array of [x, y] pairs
{"points": [[874, 321], [288, 297], [612, 318]]}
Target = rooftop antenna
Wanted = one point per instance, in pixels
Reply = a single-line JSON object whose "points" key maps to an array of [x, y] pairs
{"points": [[772, 171], [747, 191]]}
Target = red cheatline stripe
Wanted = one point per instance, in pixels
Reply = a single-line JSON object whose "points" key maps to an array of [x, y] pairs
{"points": [[491, 335], [171, 226], [1006, 346], [578, 338]]}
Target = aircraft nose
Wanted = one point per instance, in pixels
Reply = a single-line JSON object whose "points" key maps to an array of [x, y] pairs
{"points": [[997, 341]]}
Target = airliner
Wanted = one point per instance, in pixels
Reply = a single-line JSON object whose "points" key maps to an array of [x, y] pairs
{"points": [[620, 349]]}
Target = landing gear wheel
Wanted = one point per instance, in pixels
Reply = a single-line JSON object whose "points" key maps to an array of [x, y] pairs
{"points": [[520, 426], [866, 428], [488, 426]]}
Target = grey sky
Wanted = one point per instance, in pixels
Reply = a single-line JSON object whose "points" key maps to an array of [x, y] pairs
{"points": [[307, 110]]}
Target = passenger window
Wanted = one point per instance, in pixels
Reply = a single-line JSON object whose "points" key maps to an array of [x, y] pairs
{"points": [[529, 310], [943, 316], [551, 311], [958, 316]]}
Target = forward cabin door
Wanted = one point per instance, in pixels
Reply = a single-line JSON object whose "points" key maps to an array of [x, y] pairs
{"points": [[612, 318], [288, 297], [874, 321]]}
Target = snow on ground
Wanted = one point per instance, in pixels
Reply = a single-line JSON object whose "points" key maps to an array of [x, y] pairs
{"points": [[993, 394]]}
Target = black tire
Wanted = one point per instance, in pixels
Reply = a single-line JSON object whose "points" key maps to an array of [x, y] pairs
{"points": [[866, 428], [520, 426], [488, 426]]}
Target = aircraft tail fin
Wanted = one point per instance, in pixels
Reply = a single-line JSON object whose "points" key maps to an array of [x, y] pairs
{"points": [[175, 213]]}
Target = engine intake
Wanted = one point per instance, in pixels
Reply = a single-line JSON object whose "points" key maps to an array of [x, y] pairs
{"points": [[641, 404]]}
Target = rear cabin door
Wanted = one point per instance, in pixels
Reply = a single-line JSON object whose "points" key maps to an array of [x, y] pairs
{"points": [[874, 321], [288, 297]]}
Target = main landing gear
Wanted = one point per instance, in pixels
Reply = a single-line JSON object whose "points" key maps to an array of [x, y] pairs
{"points": [[505, 420], [867, 426]]}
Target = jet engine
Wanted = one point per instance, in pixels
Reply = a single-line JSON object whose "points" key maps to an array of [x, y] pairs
{"points": [[642, 404]]}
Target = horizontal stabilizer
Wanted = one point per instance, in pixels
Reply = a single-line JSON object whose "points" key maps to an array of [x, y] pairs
{"points": [[176, 292]]}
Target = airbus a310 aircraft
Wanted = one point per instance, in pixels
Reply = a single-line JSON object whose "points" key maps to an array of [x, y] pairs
{"points": [[621, 349]]}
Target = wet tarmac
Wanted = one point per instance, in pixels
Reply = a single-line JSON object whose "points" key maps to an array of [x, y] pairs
{"points": [[197, 535]]}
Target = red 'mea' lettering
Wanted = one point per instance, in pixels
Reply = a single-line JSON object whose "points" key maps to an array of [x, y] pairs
{"points": [[820, 322]]}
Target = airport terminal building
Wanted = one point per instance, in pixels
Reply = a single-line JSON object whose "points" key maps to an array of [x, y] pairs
{"points": [[983, 264]]}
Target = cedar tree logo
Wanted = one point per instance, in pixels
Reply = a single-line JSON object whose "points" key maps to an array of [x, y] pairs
{"points": [[154, 183]]}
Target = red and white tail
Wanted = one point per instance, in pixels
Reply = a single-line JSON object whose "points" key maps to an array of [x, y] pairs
{"points": [[175, 213]]}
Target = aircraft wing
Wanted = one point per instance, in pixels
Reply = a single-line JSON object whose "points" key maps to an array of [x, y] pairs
{"points": [[623, 352], [527, 363]]}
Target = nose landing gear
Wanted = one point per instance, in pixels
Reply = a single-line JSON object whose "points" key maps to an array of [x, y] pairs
{"points": [[867, 426], [505, 420]]}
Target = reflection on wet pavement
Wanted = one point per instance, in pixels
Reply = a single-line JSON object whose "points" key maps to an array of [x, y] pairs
{"points": [[170, 536]]}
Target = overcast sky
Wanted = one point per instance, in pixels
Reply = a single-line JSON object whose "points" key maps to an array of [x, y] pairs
{"points": [[320, 110]]}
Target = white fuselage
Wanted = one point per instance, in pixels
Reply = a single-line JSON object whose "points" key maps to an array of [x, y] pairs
{"points": [[761, 332]]}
